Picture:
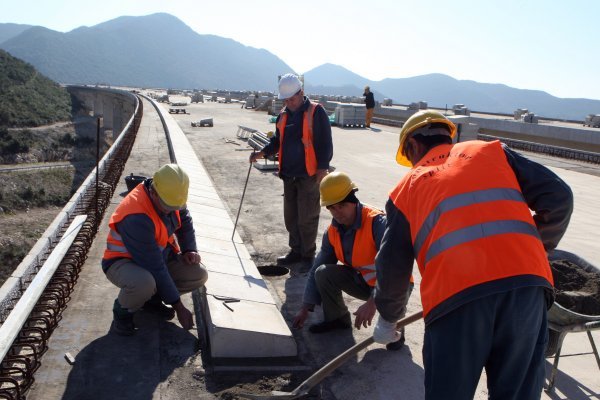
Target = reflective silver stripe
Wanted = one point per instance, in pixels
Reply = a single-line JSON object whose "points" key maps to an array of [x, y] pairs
{"points": [[479, 231], [367, 268], [462, 200], [368, 277], [115, 235], [368, 272], [117, 249]]}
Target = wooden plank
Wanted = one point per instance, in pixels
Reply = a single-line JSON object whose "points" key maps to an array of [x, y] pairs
{"points": [[16, 319]]}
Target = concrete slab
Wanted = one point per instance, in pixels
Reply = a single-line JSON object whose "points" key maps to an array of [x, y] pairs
{"points": [[263, 329], [238, 287], [201, 190], [220, 212], [212, 220], [228, 264], [217, 232], [223, 247], [204, 200]]}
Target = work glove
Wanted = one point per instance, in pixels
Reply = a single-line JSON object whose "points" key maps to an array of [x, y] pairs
{"points": [[385, 332]]}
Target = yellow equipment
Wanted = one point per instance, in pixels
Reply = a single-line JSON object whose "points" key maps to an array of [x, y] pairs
{"points": [[335, 187], [171, 183], [416, 121]]}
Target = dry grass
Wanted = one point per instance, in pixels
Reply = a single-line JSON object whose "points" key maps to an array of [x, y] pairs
{"points": [[18, 233]]}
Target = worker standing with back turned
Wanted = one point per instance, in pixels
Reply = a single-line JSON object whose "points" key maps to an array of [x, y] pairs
{"points": [[304, 146], [463, 212], [151, 252]]}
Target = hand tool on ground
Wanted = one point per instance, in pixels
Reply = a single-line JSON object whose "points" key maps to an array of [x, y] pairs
{"points": [[328, 368], [226, 300], [241, 200]]}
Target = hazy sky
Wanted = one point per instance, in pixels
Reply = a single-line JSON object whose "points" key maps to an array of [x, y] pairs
{"points": [[550, 45]]}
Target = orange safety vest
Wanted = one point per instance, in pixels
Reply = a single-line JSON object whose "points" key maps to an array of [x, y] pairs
{"points": [[363, 250], [310, 158], [137, 202], [468, 219]]}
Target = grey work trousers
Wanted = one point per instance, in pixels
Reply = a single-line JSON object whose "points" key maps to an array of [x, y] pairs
{"points": [[331, 280], [301, 210], [138, 286]]}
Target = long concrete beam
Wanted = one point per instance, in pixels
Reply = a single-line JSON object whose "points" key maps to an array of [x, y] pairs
{"points": [[241, 316]]}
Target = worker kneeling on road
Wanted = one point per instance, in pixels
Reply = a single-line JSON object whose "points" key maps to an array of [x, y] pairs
{"points": [[463, 212], [151, 251], [353, 238]]}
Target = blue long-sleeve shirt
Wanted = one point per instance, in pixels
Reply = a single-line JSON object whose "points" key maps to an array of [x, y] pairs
{"points": [[327, 253], [545, 193], [293, 158], [137, 233]]}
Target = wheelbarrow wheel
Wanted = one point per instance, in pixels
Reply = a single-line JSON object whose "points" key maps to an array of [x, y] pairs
{"points": [[552, 347]]}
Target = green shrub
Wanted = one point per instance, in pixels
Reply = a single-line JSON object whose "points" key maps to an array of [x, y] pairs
{"points": [[27, 98]]}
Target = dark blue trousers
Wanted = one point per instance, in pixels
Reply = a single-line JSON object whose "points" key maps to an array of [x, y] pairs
{"points": [[505, 333]]}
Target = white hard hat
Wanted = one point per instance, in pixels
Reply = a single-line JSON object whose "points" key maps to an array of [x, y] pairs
{"points": [[289, 85]]}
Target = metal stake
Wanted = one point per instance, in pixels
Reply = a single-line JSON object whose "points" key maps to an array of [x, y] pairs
{"points": [[241, 201]]}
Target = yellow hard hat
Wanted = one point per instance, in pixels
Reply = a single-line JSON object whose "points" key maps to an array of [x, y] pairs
{"points": [[171, 184], [335, 187], [416, 121]]}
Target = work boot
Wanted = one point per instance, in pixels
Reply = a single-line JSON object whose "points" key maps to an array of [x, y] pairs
{"points": [[290, 258], [157, 307], [306, 264], [122, 323], [343, 322], [398, 344]]}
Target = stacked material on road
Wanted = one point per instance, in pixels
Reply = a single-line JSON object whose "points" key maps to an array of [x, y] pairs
{"points": [[203, 122], [350, 115], [258, 140]]}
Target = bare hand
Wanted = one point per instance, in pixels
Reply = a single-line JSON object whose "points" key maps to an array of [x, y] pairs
{"points": [[321, 173], [191, 257], [365, 314], [255, 156], [300, 318], [185, 317]]}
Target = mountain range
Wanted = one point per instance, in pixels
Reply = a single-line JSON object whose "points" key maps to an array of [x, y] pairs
{"points": [[159, 50]]}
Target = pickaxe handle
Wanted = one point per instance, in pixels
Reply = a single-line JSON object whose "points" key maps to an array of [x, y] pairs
{"points": [[332, 365]]}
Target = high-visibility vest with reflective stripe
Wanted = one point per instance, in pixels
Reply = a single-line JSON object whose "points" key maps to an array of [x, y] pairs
{"points": [[468, 219], [310, 157], [363, 250], [137, 202]]}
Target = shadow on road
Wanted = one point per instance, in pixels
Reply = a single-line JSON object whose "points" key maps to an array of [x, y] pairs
{"points": [[567, 386], [119, 367]]}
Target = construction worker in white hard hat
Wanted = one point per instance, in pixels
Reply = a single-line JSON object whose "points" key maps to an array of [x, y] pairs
{"points": [[463, 212], [151, 251], [346, 261], [304, 147]]}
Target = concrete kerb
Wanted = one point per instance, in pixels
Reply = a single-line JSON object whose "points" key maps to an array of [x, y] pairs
{"points": [[248, 325]]}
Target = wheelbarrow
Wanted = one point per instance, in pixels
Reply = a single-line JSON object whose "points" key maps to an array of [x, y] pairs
{"points": [[563, 320]]}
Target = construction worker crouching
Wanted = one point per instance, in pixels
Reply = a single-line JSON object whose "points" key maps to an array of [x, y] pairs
{"points": [[151, 251], [352, 239], [463, 212]]}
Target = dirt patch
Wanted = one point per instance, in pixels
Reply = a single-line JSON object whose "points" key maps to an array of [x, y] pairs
{"points": [[18, 233], [577, 290]]}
